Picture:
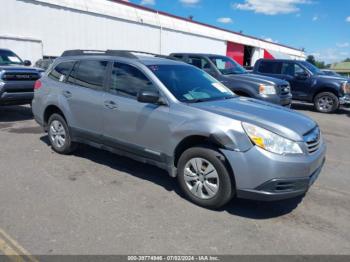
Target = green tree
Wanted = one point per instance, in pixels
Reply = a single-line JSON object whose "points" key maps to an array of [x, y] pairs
{"points": [[347, 60], [311, 59]]}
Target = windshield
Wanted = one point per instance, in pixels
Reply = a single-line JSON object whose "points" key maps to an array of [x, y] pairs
{"points": [[9, 58], [227, 65], [189, 84], [313, 69]]}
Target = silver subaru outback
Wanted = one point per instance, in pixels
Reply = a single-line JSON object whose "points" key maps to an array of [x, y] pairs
{"points": [[177, 117]]}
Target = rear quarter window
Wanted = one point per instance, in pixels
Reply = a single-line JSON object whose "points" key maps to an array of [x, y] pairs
{"points": [[60, 71]]}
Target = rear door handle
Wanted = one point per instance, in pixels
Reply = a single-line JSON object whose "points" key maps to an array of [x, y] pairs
{"points": [[110, 105], [67, 94]]}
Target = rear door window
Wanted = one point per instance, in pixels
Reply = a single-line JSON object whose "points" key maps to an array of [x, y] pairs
{"points": [[127, 80], [61, 71], [89, 74], [268, 67]]}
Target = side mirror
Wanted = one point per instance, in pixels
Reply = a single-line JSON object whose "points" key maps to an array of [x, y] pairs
{"points": [[150, 97], [27, 63], [302, 76]]}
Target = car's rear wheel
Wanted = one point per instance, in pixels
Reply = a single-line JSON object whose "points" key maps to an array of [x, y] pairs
{"points": [[326, 102], [204, 177], [59, 135]]}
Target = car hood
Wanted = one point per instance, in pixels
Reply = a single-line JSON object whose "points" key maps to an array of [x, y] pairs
{"points": [[277, 119], [332, 78], [257, 79]]}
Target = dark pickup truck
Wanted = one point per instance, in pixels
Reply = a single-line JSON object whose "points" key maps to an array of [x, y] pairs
{"points": [[16, 79], [308, 83], [235, 77]]}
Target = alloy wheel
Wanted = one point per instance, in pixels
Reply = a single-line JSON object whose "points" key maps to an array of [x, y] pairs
{"points": [[325, 103]]}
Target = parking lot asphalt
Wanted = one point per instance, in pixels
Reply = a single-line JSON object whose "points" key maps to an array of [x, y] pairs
{"points": [[94, 202]]}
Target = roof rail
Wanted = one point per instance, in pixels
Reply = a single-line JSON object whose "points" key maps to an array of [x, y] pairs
{"points": [[120, 53], [79, 52]]}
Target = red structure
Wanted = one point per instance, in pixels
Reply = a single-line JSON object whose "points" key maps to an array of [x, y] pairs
{"points": [[235, 51], [268, 55]]}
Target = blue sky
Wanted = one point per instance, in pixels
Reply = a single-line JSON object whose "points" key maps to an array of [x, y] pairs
{"points": [[322, 27]]}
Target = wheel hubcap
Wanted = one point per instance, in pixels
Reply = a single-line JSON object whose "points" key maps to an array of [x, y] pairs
{"points": [[325, 103], [57, 134], [201, 178]]}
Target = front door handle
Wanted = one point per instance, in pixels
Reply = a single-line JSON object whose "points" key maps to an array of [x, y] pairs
{"points": [[110, 105], [67, 94]]}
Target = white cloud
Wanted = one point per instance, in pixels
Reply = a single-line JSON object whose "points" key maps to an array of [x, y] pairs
{"points": [[330, 55], [191, 3], [224, 20], [347, 19], [343, 45], [271, 7], [148, 2], [269, 39]]}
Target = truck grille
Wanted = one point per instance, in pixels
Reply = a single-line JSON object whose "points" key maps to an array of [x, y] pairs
{"points": [[313, 140], [284, 90], [19, 76]]}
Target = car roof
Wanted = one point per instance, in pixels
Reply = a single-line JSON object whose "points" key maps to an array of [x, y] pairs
{"points": [[280, 60]]}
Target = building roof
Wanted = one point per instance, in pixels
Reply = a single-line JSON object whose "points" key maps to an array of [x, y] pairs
{"points": [[343, 67], [198, 23]]}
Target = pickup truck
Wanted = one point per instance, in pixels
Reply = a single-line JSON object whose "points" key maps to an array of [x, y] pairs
{"points": [[16, 79], [308, 83], [235, 77]]}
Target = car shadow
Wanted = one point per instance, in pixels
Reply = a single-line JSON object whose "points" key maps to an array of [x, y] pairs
{"points": [[310, 107], [15, 113], [237, 207]]}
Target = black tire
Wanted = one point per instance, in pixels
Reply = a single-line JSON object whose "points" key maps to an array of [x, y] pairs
{"points": [[226, 187], [321, 104], [68, 146]]}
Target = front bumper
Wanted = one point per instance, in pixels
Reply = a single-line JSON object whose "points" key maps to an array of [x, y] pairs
{"points": [[345, 100], [260, 175], [285, 101]]}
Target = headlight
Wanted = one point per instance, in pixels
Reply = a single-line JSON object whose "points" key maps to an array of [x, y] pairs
{"points": [[267, 90], [270, 141], [346, 87]]}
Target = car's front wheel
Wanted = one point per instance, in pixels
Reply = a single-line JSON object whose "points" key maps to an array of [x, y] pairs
{"points": [[326, 102], [204, 177], [59, 135]]}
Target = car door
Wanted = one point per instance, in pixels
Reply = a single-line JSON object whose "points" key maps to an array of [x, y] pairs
{"points": [[132, 126], [85, 97], [298, 78]]}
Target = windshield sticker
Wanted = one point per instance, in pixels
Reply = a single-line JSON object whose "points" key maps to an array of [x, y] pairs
{"points": [[220, 87], [14, 59]]}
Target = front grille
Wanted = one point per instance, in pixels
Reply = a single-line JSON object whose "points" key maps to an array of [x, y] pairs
{"points": [[284, 90], [313, 140], [19, 76]]}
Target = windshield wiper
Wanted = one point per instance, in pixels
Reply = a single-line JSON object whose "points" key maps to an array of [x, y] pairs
{"points": [[198, 100]]}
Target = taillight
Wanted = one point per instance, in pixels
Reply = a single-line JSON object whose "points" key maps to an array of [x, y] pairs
{"points": [[37, 84]]}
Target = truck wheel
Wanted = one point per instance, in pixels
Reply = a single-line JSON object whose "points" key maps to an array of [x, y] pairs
{"points": [[326, 102], [59, 135], [204, 177]]}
